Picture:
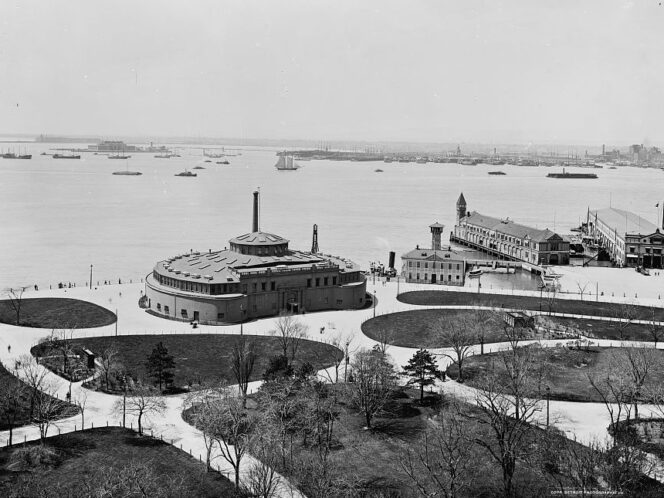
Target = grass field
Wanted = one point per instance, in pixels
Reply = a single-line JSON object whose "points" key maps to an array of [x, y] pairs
{"points": [[586, 307], [565, 370], [203, 358], [23, 415], [57, 313], [603, 329], [417, 328], [85, 463]]}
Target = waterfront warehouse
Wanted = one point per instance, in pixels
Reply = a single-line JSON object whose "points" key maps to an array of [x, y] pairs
{"points": [[628, 239], [257, 276]]}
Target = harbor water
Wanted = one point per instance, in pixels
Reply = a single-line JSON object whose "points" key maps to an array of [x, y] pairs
{"points": [[58, 217]]}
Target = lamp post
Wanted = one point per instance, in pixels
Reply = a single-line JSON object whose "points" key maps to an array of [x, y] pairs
{"points": [[90, 277], [124, 400], [540, 303], [548, 395], [397, 286], [241, 318], [374, 304]]}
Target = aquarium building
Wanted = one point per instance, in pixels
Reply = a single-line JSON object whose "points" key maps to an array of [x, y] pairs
{"points": [[258, 275]]}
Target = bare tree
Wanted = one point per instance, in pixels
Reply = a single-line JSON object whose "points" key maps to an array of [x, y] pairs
{"points": [[639, 363], [81, 401], [508, 407], [206, 417], [456, 334], [109, 364], [374, 379], [234, 430], [15, 297], [624, 313], [334, 355], [47, 410], [614, 389], [242, 365], [141, 403], [582, 288], [551, 298], [440, 461], [482, 321], [289, 332], [12, 393], [34, 375], [385, 338], [655, 329]]}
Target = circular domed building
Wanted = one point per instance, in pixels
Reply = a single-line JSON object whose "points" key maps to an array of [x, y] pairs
{"points": [[257, 276]]}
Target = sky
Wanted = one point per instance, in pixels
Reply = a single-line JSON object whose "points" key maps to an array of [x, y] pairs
{"points": [[377, 70]]}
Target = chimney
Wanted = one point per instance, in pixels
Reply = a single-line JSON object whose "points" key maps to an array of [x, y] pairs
{"points": [[254, 227]]}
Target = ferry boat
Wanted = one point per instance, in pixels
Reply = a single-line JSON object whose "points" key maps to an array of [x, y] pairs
{"points": [[286, 163], [475, 272], [186, 173], [564, 174], [66, 156], [128, 173]]}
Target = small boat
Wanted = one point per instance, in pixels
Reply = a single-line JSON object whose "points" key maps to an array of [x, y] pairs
{"points": [[475, 272], [496, 172], [550, 276], [613, 167], [208, 160], [118, 156], [378, 170], [223, 162], [186, 173], [66, 156], [199, 167]]}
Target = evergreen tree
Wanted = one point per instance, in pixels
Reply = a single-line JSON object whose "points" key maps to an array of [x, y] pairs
{"points": [[160, 365], [422, 369]]}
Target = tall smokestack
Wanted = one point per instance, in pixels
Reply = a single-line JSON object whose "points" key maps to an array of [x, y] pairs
{"points": [[254, 227]]}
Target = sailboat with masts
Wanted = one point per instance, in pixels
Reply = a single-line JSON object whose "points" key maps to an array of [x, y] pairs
{"points": [[286, 163]]}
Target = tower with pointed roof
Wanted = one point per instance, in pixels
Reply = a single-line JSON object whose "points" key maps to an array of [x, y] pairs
{"points": [[461, 207]]}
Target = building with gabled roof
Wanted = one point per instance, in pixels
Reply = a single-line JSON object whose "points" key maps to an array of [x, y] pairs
{"points": [[509, 240], [257, 276], [629, 239]]}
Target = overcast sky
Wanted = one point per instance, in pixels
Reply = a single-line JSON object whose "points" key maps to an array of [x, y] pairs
{"points": [[443, 71]]}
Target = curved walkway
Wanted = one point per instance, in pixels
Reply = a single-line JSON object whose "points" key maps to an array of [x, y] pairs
{"points": [[585, 421]]}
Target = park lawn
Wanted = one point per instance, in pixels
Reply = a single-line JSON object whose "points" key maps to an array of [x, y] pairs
{"points": [[57, 313], [417, 328], [566, 371], [203, 358], [23, 417], [82, 461], [588, 306], [604, 329]]}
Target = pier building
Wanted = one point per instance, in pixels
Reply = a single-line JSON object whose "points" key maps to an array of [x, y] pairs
{"points": [[437, 265], [508, 240], [628, 239], [257, 276]]}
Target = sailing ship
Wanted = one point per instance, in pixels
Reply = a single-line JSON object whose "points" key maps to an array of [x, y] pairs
{"points": [[286, 163]]}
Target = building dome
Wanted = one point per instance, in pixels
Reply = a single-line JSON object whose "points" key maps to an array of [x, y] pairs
{"points": [[259, 244]]}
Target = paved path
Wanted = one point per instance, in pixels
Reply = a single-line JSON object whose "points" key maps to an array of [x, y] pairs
{"points": [[585, 421]]}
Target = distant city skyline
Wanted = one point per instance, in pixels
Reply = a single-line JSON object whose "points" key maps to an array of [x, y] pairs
{"points": [[443, 72]]}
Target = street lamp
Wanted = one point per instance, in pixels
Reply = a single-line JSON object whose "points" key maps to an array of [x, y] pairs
{"points": [[241, 318], [90, 277], [548, 395], [397, 285], [374, 304], [124, 400]]}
